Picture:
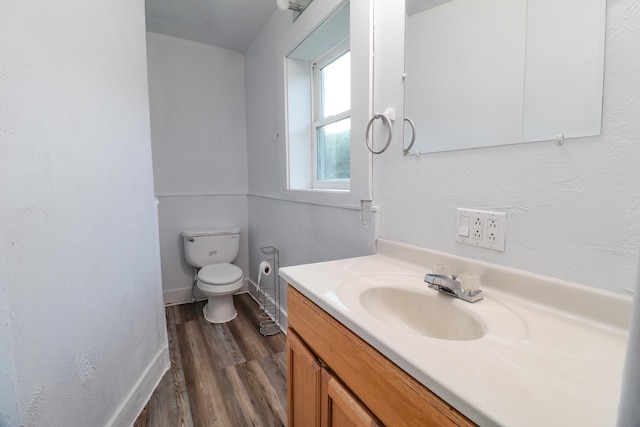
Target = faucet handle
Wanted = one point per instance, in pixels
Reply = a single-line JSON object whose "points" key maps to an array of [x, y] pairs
{"points": [[470, 282], [442, 270]]}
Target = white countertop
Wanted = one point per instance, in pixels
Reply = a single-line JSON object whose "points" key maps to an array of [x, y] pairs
{"points": [[552, 354]]}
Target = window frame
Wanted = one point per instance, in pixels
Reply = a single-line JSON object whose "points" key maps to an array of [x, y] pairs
{"points": [[293, 183], [327, 58]]}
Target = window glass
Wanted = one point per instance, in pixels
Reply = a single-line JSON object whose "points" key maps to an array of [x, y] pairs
{"points": [[333, 151], [336, 86]]}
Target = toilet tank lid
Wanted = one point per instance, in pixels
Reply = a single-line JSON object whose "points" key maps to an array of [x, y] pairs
{"points": [[210, 231]]}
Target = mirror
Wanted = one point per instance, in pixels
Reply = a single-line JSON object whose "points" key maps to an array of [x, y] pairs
{"points": [[495, 72]]}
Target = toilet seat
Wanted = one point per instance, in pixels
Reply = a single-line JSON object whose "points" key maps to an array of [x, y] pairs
{"points": [[219, 274], [217, 279]]}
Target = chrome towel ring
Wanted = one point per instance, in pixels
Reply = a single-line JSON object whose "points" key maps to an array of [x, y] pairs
{"points": [[405, 151], [387, 121]]}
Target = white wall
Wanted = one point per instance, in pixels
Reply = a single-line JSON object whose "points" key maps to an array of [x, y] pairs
{"points": [[9, 413], [198, 129], [573, 210], [266, 153], [79, 252]]}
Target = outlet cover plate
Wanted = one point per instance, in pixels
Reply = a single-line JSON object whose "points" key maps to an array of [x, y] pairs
{"points": [[493, 228]]}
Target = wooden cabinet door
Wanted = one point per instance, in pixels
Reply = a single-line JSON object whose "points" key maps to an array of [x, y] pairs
{"points": [[304, 375], [340, 408]]}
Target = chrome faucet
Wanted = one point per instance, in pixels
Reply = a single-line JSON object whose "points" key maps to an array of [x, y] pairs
{"points": [[451, 286]]}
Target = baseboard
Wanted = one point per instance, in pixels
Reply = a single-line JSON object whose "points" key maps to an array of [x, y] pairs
{"points": [[177, 296], [253, 291], [183, 295], [134, 403]]}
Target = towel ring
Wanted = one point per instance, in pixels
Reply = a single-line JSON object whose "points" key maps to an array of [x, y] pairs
{"points": [[413, 135], [388, 123]]}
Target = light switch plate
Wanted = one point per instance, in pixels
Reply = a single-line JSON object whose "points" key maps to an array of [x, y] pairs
{"points": [[463, 225], [484, 229]]}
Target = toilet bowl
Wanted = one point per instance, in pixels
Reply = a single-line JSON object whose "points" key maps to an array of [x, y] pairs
{"points": [[218, 282], [212, 250]]}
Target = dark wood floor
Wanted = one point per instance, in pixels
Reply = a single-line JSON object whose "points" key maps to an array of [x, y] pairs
{"points": [[221, 375]]}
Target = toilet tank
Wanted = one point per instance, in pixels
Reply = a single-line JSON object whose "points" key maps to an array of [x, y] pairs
{"points": [[215, 245]]}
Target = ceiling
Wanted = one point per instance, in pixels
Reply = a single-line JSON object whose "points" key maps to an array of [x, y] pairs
{"points": [[229, 24]]}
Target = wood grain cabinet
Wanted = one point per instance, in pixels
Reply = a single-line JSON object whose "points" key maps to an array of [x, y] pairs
{"points": [[304, 381], [337, 379], [315, 396], [340, 408]]}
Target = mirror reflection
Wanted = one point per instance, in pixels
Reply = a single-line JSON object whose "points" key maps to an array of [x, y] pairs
{"points": [[495, 72]]}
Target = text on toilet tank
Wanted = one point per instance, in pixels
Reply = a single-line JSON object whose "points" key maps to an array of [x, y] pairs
{"points": [[213, 252]]}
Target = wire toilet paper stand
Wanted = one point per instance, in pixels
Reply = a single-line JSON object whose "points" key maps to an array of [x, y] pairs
{"points": [[269, 295]]}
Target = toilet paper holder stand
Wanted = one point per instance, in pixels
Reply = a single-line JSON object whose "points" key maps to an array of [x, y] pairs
{"points": [[269, 294]]}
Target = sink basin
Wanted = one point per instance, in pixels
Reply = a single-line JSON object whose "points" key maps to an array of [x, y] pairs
{"points": [[403, 305], [429, 314]]}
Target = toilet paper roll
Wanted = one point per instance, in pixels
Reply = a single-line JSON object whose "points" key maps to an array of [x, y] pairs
{"points": [[265, 270]]}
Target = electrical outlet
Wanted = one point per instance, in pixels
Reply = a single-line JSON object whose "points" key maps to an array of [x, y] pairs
{"points": [[476, 227], [484, 229], [492, 230]]}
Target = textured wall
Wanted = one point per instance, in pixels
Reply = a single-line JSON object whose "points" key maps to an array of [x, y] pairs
{"points": [[573, 210], [79, 252], [198, 125], [9, 413], [266, 155], [198, 130]]}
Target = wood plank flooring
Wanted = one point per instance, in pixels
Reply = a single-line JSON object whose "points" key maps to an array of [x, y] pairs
{"points": [[223, 375]]}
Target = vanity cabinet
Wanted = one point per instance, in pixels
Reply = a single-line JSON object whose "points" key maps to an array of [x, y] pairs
{"points": [[304, 377], [315, 396], [337, 379]]}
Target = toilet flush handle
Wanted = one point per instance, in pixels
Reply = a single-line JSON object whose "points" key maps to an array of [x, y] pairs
{"points": [[190, 239]]}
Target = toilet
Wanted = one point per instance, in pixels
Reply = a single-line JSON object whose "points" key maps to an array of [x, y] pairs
{"points": [[213, 250]]}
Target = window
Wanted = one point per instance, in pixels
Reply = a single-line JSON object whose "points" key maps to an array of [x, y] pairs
{"points": [[318, 108], [331, 127], [323, 113]]}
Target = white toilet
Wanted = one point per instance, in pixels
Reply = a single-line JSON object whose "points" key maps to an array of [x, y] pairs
{"points": [[212, 250]]}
